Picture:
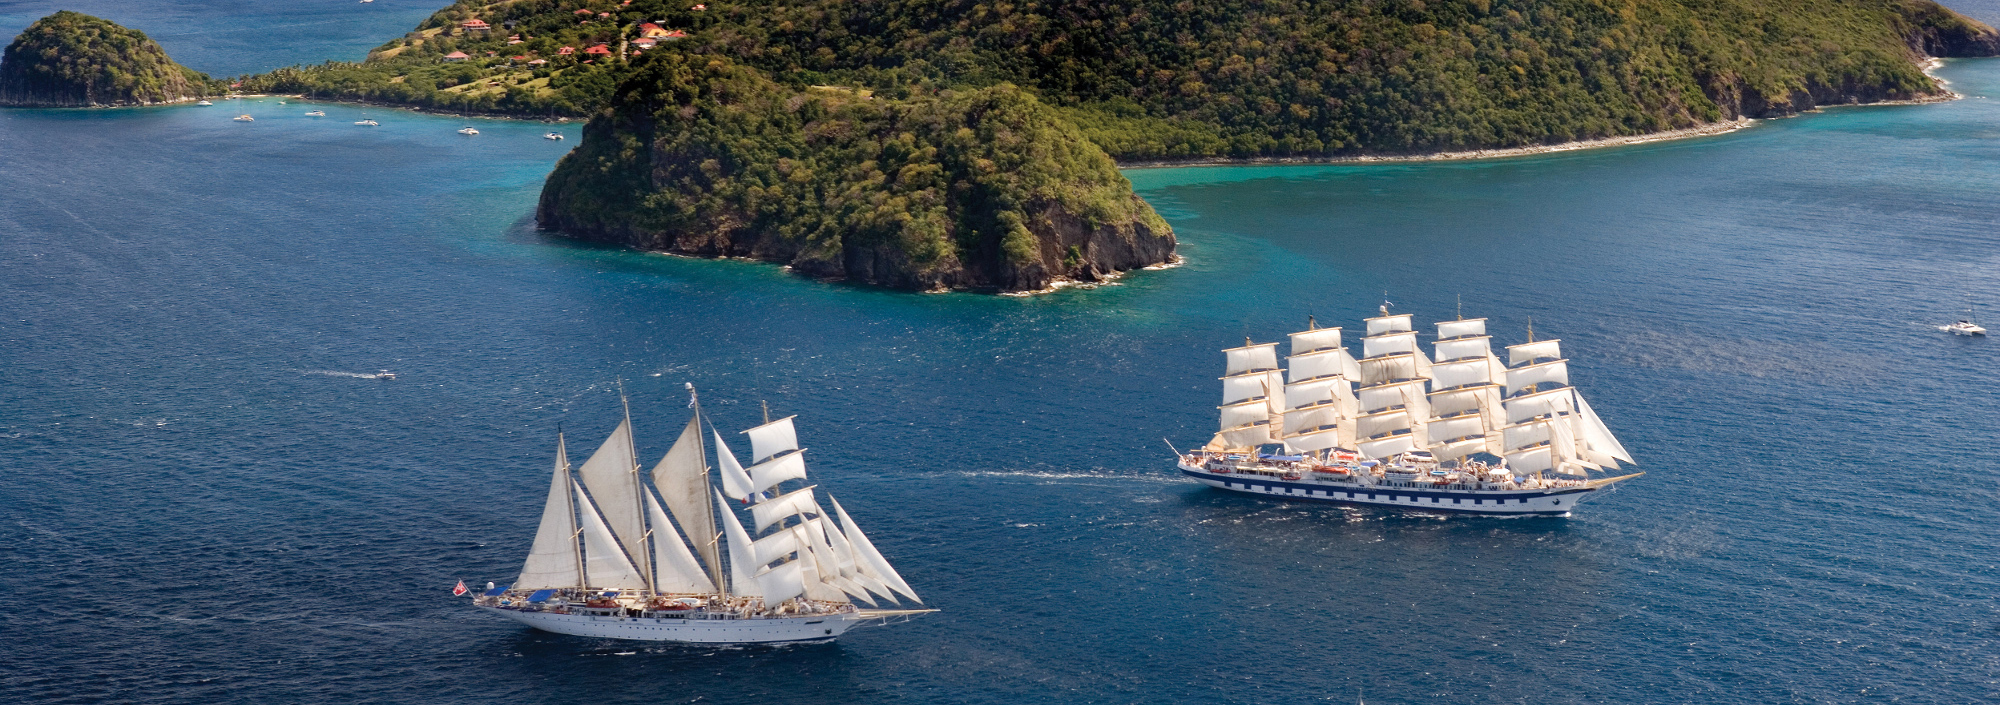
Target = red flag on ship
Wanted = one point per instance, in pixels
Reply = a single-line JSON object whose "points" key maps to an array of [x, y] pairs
{"points": [[460, 590]]}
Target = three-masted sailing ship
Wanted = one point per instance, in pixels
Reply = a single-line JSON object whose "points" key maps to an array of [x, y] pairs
{"points": [[673, 561], [1463, 432]]}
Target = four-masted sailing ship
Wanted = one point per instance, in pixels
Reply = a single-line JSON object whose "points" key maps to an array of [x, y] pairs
{"points": [[617, 558], [1460, 433]]}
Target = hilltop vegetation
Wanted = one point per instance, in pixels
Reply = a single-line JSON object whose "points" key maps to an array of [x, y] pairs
{"points": [[70, 59], [981, 188], [1182, 79]]}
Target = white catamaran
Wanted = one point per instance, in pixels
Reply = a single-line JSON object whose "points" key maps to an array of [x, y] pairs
{"points": [[608, 562], [1462, 433]]}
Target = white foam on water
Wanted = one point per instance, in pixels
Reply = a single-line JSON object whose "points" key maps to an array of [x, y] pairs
{"points": [[338, 373]]}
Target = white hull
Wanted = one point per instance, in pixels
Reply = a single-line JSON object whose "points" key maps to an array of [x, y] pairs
{"points": [[812, 628], [1554, 501]]}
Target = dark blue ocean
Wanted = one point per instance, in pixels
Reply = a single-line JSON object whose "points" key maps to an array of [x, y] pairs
{"points": [[205, 501]]}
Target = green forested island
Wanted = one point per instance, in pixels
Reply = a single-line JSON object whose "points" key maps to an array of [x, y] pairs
{"points": [[71, 60], [931, 144]]}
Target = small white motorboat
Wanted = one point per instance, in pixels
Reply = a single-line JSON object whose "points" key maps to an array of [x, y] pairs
{"points": [[553, 136], [204, 103], [244, 118], [316, 113], [1963, 327], [467, 130], [370, 123], [385, 374]]}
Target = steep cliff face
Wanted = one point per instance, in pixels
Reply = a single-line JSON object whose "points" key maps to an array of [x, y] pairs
{"points": [[974, 189], [69, 60]]}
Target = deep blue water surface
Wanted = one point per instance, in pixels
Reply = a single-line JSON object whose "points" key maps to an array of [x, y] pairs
{"points": [[203, 502]]}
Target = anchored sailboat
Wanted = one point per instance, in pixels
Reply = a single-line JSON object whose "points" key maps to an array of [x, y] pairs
{"points": [[1463, 432], [617, 558]]}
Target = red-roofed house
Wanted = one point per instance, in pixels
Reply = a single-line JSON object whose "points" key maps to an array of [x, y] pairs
{"points": [[583, 12], [676, 34], [652, 30], [603, 14], [599, 50], [644, 43], [699, 8], [475, 25], [538, 62], [456, 56], [565, 51]]}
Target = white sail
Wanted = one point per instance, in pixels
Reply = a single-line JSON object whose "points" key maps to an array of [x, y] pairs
{"points": [[1554, 372], [1459, 449], [1251, 358], [735, 482], [1389, 324], [554, 560], [774, 547], [1245, 414], [782, 583], [1376, 370], [1597, 437], [604, 563], [1314, 340], [1463, 348], [1530, 461], [772, 438], [1385, 447], [1460, 329], [1459, 401], [777, 509], [1554, 401], [682, 478], [817, 587], [743, 565], [1445, 375], [1248, 436], [768, 474], [1385, 396], [1379, 345], [868, 559], [1303, 394], [1313, 417], [1317, 440], [1562, 442], [1252, 385], [1451, 429], [612, 476], [1325, 363], [1371, 425], [674, 568], [1530, 352], [1527, 435]]}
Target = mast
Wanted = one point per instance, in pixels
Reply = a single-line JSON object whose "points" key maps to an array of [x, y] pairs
{"points": [[1465, 402], [645, 548], [708, 502], [1319, 395], [569, 500]]}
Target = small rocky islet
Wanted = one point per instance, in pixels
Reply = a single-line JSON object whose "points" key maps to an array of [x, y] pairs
{"points": [[73, 60], [934, 145]]}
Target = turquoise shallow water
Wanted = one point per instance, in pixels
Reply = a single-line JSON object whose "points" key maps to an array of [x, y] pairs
{"points": [[200, 507]]}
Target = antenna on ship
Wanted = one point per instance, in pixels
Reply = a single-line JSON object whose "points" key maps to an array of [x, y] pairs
{"points": [[1386, 303], [767, 409], [1311, 323], [1531, 329], [1461, 307]]}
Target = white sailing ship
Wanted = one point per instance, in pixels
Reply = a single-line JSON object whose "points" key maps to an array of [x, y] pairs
{"points": [[1461, 433], [608, 561]]}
